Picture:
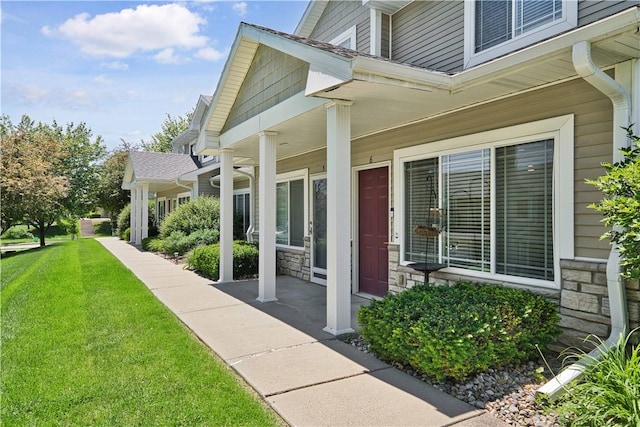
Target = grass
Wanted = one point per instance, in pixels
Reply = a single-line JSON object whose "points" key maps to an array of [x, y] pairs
{"points": [[85, 343]]}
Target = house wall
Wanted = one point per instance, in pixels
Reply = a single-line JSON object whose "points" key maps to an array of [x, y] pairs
{"points": [[204, 188], [591, 11], [272, 78], [338, 17], [429, 34]]}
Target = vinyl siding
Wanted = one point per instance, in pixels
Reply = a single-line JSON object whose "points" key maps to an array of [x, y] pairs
{"points": [[272, 78], [204, 188], [338, 17], [590, 11], [430, 34], [593, 126]]}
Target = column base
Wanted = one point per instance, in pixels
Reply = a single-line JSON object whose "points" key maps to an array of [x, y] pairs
{"points": [[337, 332], [266, 299]]}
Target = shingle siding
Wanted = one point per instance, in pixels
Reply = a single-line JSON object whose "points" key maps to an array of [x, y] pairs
{"points": [[272, 78], [590, 11], [338, 17]]}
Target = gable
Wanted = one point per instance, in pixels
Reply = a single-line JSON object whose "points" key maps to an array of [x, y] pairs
{"points": [[272, 78], [340, 16]]}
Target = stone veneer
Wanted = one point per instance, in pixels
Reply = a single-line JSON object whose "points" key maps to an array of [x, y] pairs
{"points": [[583, 300], [294, 262]]}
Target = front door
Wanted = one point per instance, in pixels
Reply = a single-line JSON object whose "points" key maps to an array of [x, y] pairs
{"points": [[318, 230], [373, 231]]}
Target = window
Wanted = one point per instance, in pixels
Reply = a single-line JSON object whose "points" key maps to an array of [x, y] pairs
{"points": [[241, 216], [183, 198], [496, 27], [291, 212], [506, 203], [346, 39], [162, 210]]}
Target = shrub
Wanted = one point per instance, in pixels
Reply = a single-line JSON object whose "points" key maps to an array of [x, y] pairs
{"points": [[17, 232], [124, 221], [610, 388], [182, 243], [126, 236], [202, 213], [206, 260], [456, 331]]}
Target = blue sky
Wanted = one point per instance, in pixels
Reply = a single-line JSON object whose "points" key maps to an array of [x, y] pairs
{"points": [[120, 67]]}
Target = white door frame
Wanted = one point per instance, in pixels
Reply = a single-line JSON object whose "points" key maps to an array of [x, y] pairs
{"points": [[355, 271]]}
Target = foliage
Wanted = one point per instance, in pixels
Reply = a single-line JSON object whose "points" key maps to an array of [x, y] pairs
{"points": [[17, 232], [171, 127], [202, 213], [610, 389], [456, 331], [103, 229], [152, 244], [206, 260], [621, 205], [180, 243], [124, 221], [85, 350], [33, 186], [111, 196], [71, 225]]}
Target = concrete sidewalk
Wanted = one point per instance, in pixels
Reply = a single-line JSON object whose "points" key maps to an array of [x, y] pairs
{"points": [[308, 376]]}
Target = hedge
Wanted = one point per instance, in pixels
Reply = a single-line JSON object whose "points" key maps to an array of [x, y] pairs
{"points": [[206, 260]]}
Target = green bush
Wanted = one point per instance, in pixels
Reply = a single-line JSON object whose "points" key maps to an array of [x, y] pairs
{"points": [[455, 331], [17, 232], [202, 213], [124, 221], [182, 243], [206, 260], [126, 236], [609, 393]]}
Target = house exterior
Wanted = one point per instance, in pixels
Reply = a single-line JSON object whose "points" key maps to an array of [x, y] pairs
{"points": [[480, 120]]}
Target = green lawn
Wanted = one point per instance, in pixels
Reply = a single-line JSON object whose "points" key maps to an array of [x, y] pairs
{"points": [[85, 343]]}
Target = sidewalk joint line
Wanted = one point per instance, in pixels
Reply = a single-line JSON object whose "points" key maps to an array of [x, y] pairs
{"points": [[273, 350], [277, 393]]}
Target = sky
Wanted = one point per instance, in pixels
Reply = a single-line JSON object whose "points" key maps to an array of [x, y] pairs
{"points": [[121, 67]]}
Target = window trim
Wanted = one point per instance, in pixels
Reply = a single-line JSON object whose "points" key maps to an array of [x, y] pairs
{"points": [[182, 196], [561, 129], [568, 21], [349, 34], [294, 176]]}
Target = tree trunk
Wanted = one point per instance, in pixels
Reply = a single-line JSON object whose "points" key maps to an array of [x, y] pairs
{"points": [[41, 232]]}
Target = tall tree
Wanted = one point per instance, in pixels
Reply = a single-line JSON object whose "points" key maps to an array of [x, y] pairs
{"points": [[32, 185], [111, 196], [171, 127]]}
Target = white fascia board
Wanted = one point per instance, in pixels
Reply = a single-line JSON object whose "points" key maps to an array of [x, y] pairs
{"points": [[386, 6], [193, 175], [310, 18], [288, 109], [377, 70], [604, 28]]}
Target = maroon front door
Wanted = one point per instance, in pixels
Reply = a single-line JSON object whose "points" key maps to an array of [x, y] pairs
{"points": [[373, 230]]}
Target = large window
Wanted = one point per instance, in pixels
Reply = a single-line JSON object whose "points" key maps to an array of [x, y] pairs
{"points": [[497, 27], [290, 212], [505, 201], [241, 214]]}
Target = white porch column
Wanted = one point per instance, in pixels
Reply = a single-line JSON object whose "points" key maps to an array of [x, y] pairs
{"points": [[226, 215], [338, 218], [132, 215], [267, 214], [138, 227], [145, 211]]}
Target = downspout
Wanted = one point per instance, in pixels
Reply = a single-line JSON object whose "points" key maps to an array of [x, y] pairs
{"points": [[621, 101]]}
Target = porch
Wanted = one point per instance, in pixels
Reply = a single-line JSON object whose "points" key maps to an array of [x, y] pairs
{"points": [[301, 305]]}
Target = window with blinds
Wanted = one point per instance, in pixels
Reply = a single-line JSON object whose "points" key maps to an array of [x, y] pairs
{"points": [[466, 182], [498, 21], [290, 213], [522, 209]]}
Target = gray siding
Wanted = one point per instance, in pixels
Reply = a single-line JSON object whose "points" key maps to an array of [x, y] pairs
{"points": [[338, 17], [204, 188], [272, 78], [593, 129], [430, 34], [592, 10]]}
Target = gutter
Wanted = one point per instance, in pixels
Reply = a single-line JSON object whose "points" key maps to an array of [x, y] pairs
{"points": [[621, 101], [177, 182]]}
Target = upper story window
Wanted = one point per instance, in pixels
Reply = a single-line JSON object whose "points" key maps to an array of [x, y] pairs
{"points": [[346, 39], [497, 27]]}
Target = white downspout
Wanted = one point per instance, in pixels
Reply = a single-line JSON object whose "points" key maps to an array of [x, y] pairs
{"points": [[615, 285], [185, 186], [251, 228]]}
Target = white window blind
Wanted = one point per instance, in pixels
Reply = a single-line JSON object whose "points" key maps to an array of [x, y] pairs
{"points": [[524, 210], [421, 178]]}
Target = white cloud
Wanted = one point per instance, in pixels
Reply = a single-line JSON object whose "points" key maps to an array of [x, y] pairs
{"points": [[102, 79], [210, 54], [240, 8], [115, 65], [167, 56], [143, 29]]}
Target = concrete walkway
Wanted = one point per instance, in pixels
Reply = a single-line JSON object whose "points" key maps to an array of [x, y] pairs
{"points": [[308, 376]]}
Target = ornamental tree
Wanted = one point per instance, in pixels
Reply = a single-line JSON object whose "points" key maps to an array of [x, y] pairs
{"points": [[621, 205]]}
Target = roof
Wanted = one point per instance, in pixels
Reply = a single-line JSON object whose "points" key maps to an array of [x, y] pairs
{"points": [[150, 166]]}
